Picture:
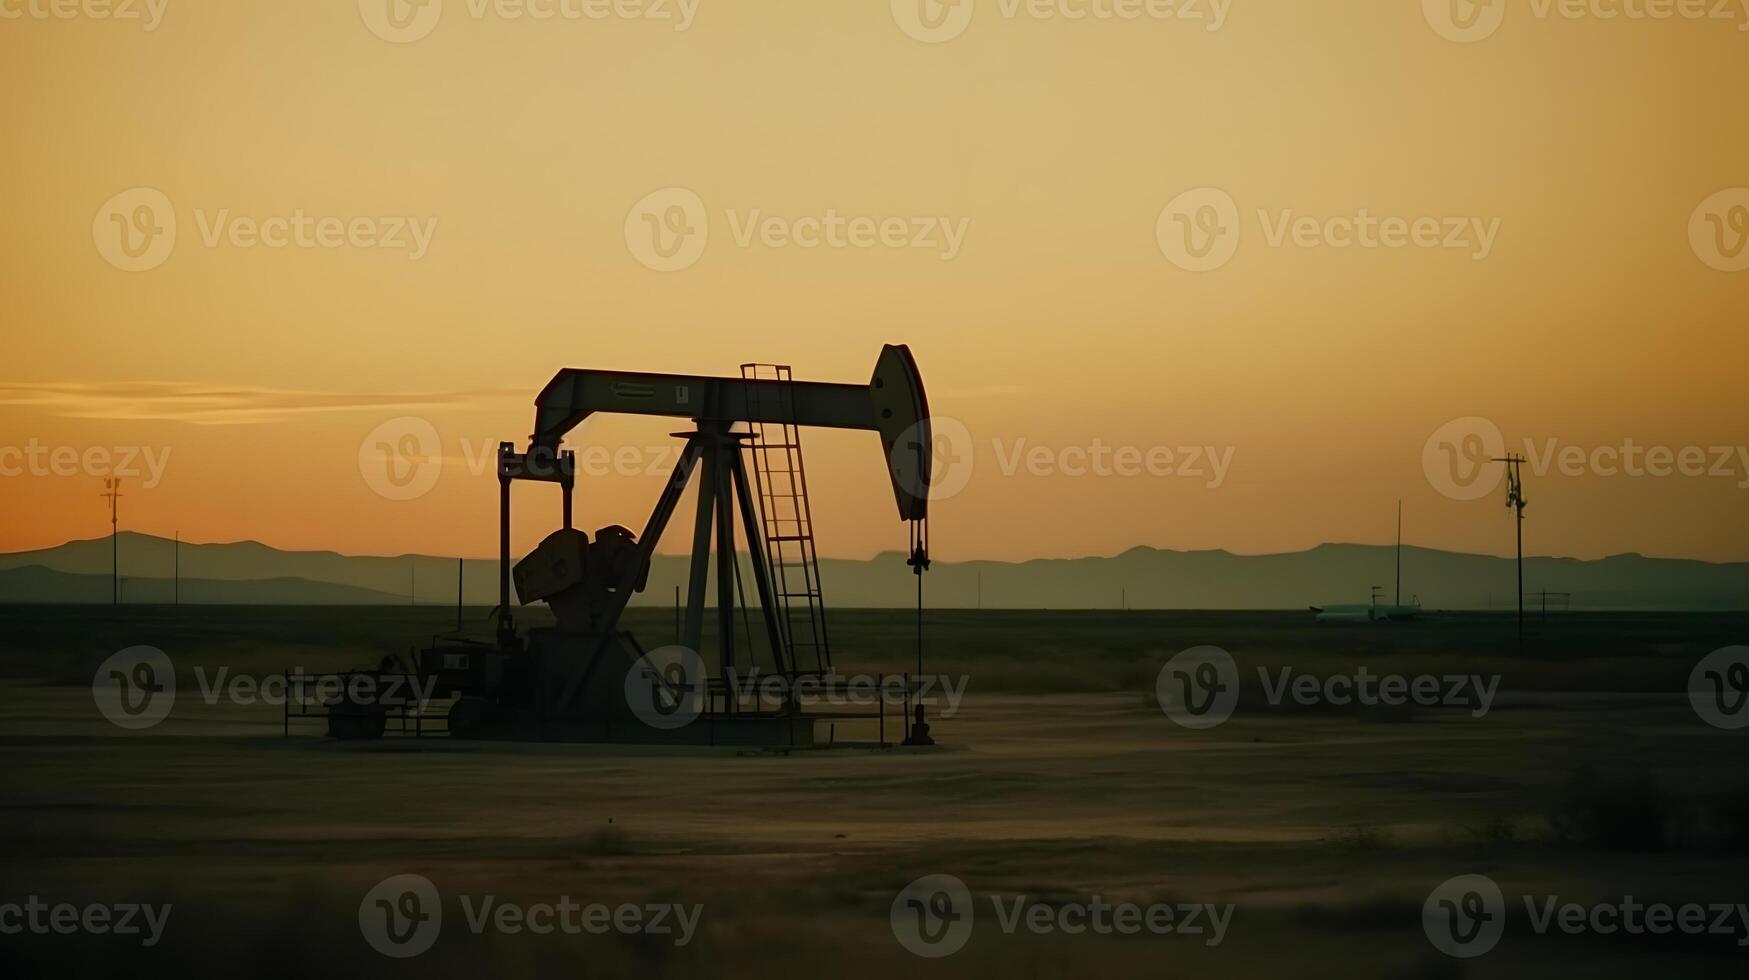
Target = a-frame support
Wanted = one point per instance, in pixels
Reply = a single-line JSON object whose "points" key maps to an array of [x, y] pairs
{"points": [[722, 487]]}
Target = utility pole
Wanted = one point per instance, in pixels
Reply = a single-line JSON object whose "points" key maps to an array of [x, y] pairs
{"points": [[112, 490], [458, 593], [176, 570], [1515, 500], [1399, 552], [412, 581]]}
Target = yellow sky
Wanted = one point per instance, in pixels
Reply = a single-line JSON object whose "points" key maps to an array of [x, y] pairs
{"points": [[1585, 144]]}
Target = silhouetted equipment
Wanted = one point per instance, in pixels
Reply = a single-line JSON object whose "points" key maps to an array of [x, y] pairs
{"points": [[919, 734], [571, 678], [1375, 611], [1565, 599]]}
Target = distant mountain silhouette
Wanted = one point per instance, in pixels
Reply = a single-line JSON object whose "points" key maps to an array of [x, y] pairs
{"points": [[1149, 578]]}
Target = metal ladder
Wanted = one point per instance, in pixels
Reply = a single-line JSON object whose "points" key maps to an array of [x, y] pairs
{"points": [[787, 521]]}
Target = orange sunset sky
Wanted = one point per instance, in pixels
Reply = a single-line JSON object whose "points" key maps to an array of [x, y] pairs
{"points": [[522, 145]]}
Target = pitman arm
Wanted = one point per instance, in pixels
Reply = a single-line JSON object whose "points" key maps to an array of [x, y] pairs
{"points": [[892, 404]]}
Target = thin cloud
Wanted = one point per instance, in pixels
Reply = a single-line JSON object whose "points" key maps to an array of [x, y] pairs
{"points": [[210, 404]]}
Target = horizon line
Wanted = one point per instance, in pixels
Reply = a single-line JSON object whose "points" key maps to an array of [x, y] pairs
{"points": [[881, 554]]}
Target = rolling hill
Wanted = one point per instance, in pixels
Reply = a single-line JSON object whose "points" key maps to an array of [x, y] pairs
{"points": [[1145, 578]]}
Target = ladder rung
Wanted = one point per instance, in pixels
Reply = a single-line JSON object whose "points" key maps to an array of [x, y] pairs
{"points": [[783, 499]]}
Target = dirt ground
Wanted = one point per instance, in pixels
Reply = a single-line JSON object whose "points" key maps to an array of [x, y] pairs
{"points": [[1324, 828]]}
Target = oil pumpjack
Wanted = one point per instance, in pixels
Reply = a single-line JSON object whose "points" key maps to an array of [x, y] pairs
{"points": [[571, 678]]}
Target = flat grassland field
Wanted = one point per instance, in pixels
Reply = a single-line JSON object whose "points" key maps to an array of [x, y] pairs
{"points": [[1591, 777]]}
